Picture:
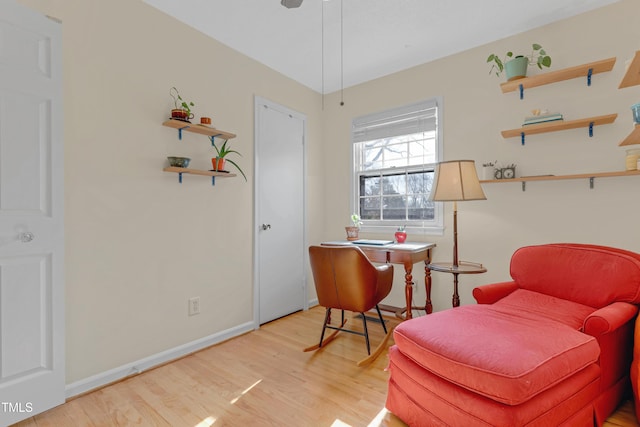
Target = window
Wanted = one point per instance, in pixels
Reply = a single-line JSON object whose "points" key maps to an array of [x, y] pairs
{"points": [[395, 153]]}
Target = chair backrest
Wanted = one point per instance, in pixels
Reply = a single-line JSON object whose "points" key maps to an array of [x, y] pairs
{"points": [[344, 277], [588, 274]]}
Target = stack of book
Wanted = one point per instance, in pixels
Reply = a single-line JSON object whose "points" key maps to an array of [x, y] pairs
{"points": [[542, 118]]}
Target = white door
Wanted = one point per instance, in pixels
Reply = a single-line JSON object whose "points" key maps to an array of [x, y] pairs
{"points": [[279, 201], [31, 215]]}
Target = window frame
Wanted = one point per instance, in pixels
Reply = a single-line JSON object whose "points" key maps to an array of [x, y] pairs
{"points": [[434, 227]]}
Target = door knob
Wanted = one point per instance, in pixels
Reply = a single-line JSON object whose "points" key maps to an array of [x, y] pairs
{"points": [[26, 236], [266, 226]]}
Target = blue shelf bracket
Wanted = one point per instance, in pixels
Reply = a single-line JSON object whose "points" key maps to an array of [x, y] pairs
{"points": [[591, 180], [589, 74], [524, 185], [213, 180], [522, 137], [521, 91], [180, 177], [213, 139], [590, 129]]}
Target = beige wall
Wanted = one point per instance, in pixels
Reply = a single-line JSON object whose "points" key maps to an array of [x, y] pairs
{"points": [[138, 245], [475, 111]]}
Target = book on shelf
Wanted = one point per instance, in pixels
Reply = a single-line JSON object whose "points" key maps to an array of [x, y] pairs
{"points": [[542, 118]]}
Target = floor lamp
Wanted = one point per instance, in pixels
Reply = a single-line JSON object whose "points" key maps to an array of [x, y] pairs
{"points": [[455, 181]]}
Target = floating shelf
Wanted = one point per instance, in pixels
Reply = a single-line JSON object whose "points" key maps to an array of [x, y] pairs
{"points": [[633, 138], [589, 176], [632, 75], [196, 128], [212, 174], [559, 125], [585, 70]]}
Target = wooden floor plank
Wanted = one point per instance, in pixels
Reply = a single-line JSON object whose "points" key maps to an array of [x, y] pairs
{"points": [[262, 378]]}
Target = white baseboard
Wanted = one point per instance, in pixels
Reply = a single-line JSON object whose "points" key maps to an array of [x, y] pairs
{"points": [[104, 378]]}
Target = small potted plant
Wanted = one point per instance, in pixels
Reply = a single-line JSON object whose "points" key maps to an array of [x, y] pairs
{"points": [[401, 234], [353, 230], [182, 110], [222, 152], [515, 67]]}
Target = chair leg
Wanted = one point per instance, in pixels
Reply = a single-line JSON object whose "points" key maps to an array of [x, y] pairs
{"points": [[327, 319], [366, 332], [384, 326]]}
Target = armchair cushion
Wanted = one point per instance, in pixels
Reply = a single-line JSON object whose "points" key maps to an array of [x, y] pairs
{"points": [[523, 359]]}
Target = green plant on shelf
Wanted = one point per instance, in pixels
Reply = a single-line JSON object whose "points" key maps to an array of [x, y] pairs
{"points": [[223, 151], [538, 57]]}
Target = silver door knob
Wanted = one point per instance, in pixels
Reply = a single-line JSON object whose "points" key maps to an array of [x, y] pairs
{"points": [[266, 226], [26, 236]]}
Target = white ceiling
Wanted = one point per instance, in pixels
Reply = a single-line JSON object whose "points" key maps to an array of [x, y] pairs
{"points": [[379, 37]]}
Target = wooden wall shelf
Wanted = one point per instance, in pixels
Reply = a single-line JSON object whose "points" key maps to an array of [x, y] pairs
{"points": [[589, 176], [196, 128], [633, 138], [585, 70], [559, 125], [632, 75], [212, 174]]}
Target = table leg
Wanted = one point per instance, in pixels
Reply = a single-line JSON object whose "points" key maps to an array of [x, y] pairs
{"points": [[408, 288], [427, 284], [455, 301]]}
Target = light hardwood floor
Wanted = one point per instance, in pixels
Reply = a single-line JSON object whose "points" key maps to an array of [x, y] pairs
{"points": [[258, 379]]}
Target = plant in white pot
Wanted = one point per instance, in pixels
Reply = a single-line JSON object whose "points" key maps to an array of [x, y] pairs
{"points": [[515, 66]]}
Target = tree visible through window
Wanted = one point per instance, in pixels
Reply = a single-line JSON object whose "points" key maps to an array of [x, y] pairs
{"points": [[394, 158]]}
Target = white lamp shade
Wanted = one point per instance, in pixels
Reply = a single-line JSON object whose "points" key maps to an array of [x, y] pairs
{"points": [[456, 180]]}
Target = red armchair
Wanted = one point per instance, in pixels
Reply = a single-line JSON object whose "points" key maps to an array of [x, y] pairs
{"points": [[551, 347]]}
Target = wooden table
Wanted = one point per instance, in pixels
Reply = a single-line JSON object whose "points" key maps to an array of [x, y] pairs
{"points": [[463, 267], [406, 254]]}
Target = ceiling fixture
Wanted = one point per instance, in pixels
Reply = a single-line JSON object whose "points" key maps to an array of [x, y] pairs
{"points": [[291, 4]]}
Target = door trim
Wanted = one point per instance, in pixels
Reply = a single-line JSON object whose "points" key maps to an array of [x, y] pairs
{"points": [[258, 103]]}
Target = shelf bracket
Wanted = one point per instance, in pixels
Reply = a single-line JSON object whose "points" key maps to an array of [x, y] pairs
{"points": [[591, 180], [522, 137], [524, 185], [521, 87], [590, 129], [180, 132], [589, 74], [213, 138], [180, 177], [213, 180]]}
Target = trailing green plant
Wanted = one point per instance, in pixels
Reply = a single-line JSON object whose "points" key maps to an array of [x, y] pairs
{"points": [[223, 151], [179, 102], [538, 57]]}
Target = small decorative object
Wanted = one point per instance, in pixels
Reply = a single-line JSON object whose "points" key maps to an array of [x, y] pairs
{"points": [[205, 121], [541, 116], [487, 170], [631, 159], [635, 108], [182, 110], [353, 230], [506, 172], [179, 162], [221, 153], [401, 234], [516, 66]]}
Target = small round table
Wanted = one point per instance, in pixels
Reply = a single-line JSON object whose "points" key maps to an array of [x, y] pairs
{"points": [[463, 267]]}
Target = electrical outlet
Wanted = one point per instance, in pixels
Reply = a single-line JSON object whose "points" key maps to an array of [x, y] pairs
{"points": [[194, 306]]}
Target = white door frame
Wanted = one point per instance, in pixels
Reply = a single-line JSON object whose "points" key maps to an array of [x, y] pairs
{"points": [[258, 101]]}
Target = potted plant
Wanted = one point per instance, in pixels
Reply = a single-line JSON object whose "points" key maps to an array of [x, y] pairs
{"points": [[401, 234], [182, 110], [515, 67], [353, 230], [222, 152]]}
